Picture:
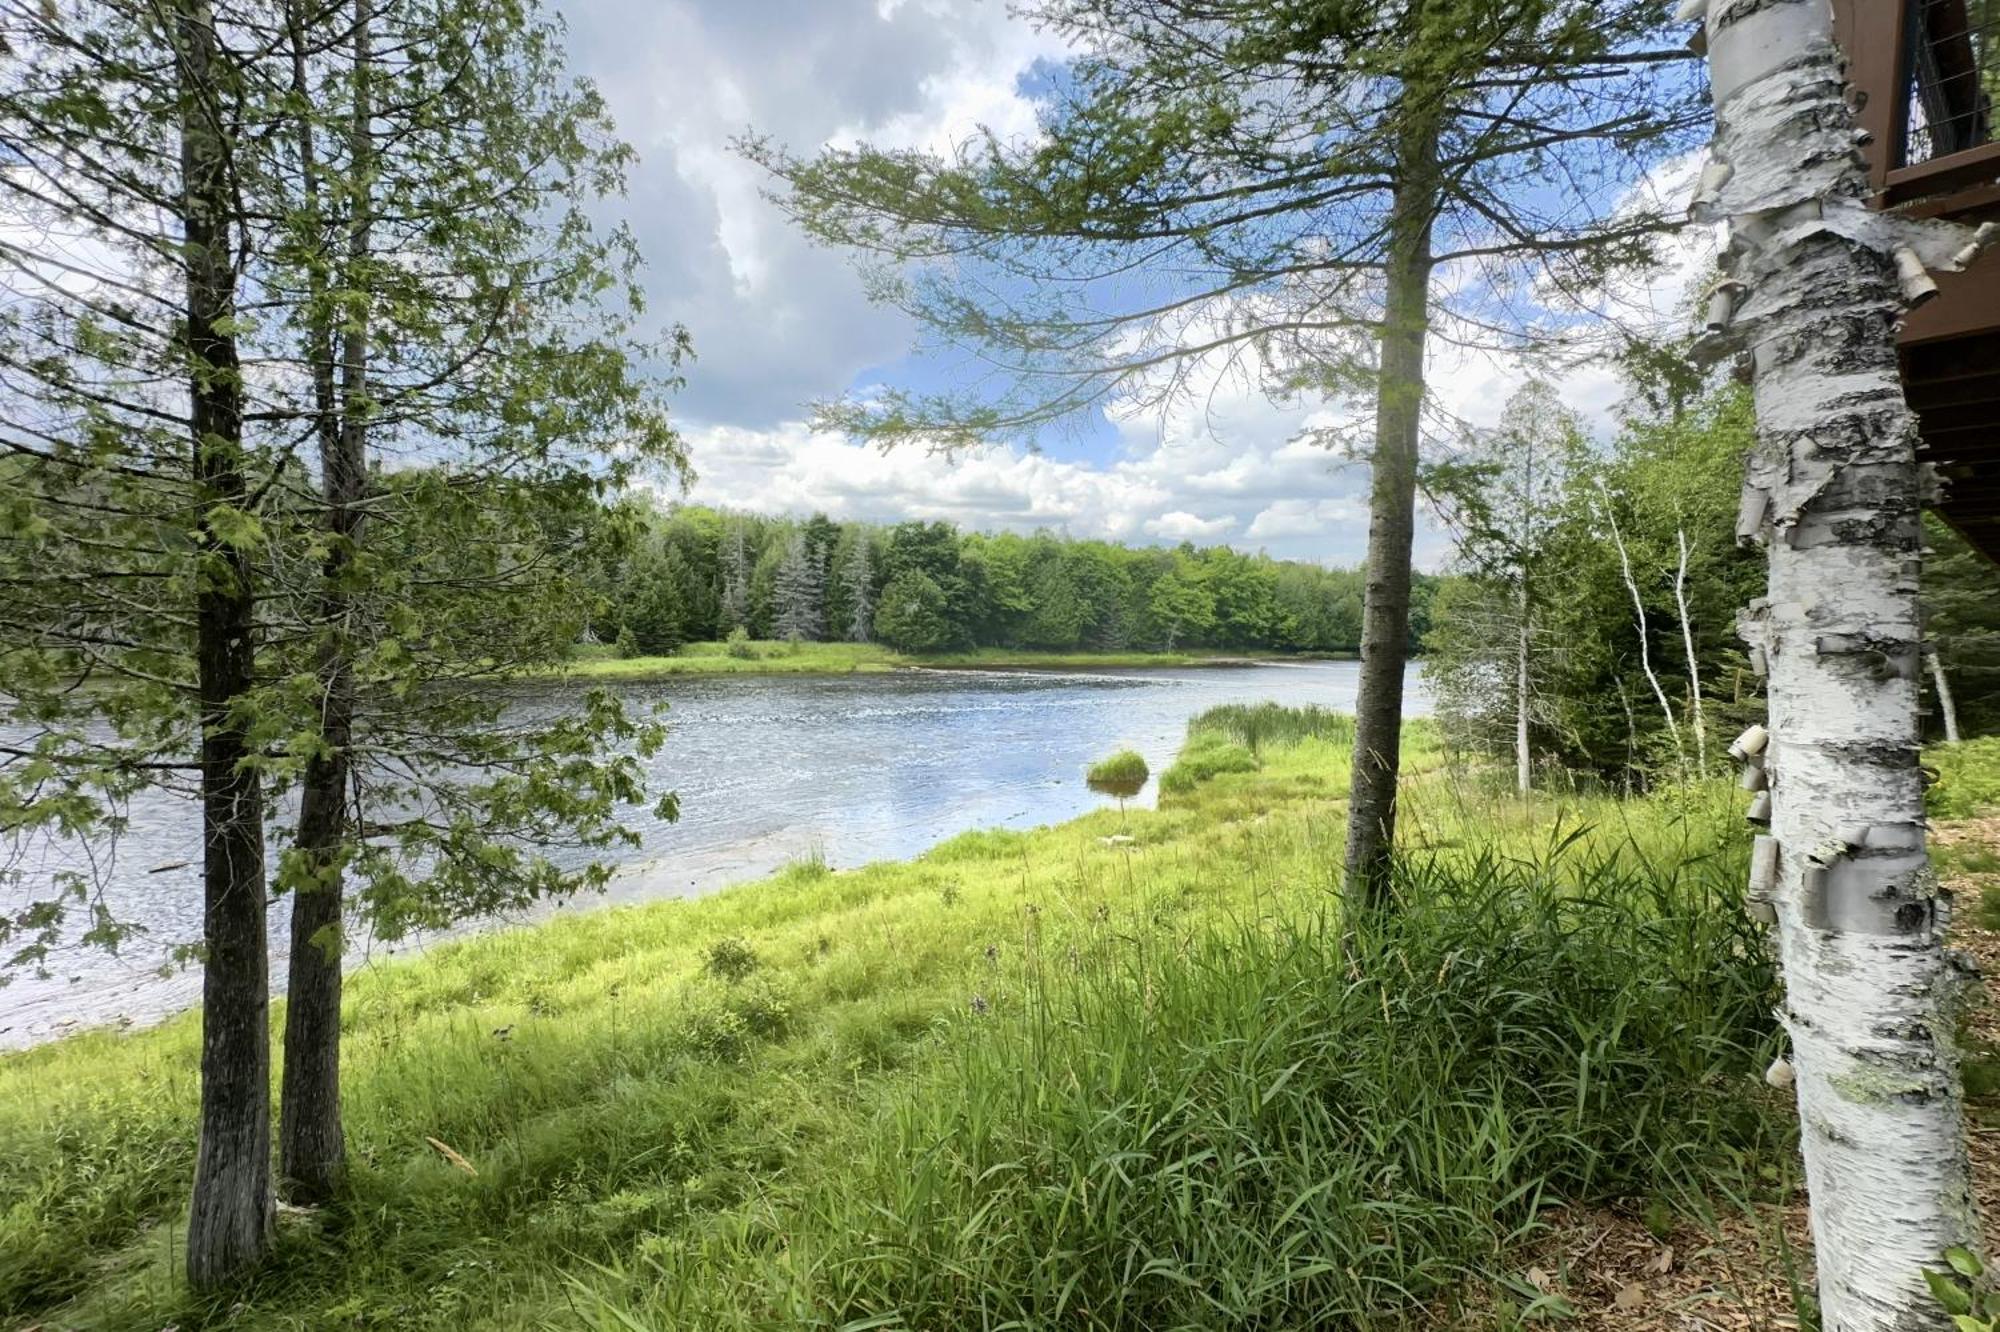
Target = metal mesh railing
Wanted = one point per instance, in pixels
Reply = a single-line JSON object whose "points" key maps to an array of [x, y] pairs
{"points": [[1953, 79]]}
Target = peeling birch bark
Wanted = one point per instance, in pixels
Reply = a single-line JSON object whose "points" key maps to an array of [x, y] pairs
{"points": [[1837, 494]]}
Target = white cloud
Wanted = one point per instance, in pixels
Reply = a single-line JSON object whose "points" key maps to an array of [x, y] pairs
{"points": [[1305, 517], [1180, 525], [777, 322]]}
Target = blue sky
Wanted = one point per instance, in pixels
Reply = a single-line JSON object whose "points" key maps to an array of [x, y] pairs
{"points": [[778, 323]]}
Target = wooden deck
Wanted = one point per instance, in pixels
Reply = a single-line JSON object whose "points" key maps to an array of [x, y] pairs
{"points": [[1924, 73]]}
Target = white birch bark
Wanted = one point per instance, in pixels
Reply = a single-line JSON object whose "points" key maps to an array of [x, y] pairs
{"points": [[1834, 487], [1694, 662], [1523, 768], [1947, 706], [1645, 633]]}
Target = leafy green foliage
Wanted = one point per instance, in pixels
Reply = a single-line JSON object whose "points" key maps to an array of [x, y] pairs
{"points": [[1964, 1292], [1962, 621], [912, 614], [731, 959], [503, 359]]}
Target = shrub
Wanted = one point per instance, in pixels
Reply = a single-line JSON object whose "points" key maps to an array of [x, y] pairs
{"points": [[738, 644], [730, 959]]}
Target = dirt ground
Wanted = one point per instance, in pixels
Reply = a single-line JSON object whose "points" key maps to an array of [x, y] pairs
{"points": [[1607, 1271]]}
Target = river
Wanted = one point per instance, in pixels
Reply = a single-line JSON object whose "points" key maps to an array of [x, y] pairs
{"points": [[768, 768]]}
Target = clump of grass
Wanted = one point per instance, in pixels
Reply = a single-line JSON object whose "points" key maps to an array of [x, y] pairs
{"points": [[1207, 755], [730, 959], [1257, 725], [1123, 774]]}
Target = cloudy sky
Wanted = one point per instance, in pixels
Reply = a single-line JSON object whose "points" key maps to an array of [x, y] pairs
{"points": [[778, 323]]}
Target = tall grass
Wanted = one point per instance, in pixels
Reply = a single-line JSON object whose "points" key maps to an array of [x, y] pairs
{"points": [[1257, 725], [1028, 1076], [1233, 737], [1967, 778], [1278, 1123]]}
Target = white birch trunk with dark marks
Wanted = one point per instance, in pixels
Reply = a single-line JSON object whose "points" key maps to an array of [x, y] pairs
{"points": [[1817, 280]]}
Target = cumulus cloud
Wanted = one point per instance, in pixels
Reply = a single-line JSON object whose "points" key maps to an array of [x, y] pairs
{"points": [[778, 323]]}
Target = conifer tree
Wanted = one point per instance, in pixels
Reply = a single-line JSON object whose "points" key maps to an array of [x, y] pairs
{"points": [[798, 594], [858, 577]]}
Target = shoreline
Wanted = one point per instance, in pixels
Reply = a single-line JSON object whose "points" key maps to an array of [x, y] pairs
{"points": [[709, 659]]}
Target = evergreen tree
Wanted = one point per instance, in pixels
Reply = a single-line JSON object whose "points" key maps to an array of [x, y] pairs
{"points": [[196, 591], [799, 593], [857, 578], [735, 613]]}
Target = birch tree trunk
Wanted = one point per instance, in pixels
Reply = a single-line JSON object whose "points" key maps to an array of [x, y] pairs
{"points": [[1523, 769], [1693, 661], [1833, 486], [1941, 686], [1645, 630]]}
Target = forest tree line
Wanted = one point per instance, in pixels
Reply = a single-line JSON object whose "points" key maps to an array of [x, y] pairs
{"points": [[699, 574]]}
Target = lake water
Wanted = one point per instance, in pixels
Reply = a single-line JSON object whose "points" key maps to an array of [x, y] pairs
{"points": [[769, 768]]}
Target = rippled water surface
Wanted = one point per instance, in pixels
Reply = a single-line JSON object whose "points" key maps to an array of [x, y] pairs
{"points": [[855, 768]]}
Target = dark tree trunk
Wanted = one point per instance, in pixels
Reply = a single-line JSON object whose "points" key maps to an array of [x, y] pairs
{"points": [[229, 1222], [1385, 619], [312, 1146]]}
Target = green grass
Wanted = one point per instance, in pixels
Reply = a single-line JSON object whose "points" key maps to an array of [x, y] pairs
{"points": [[1229, 738], [1968, 778], [597, 662], [1027, 1077]]}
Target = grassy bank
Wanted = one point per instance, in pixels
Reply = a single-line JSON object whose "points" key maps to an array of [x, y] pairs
{"points": [[759, 658], [1050, 1077]]}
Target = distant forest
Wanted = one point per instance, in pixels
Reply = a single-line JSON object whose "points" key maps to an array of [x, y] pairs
{"points": [[699, 574]]}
